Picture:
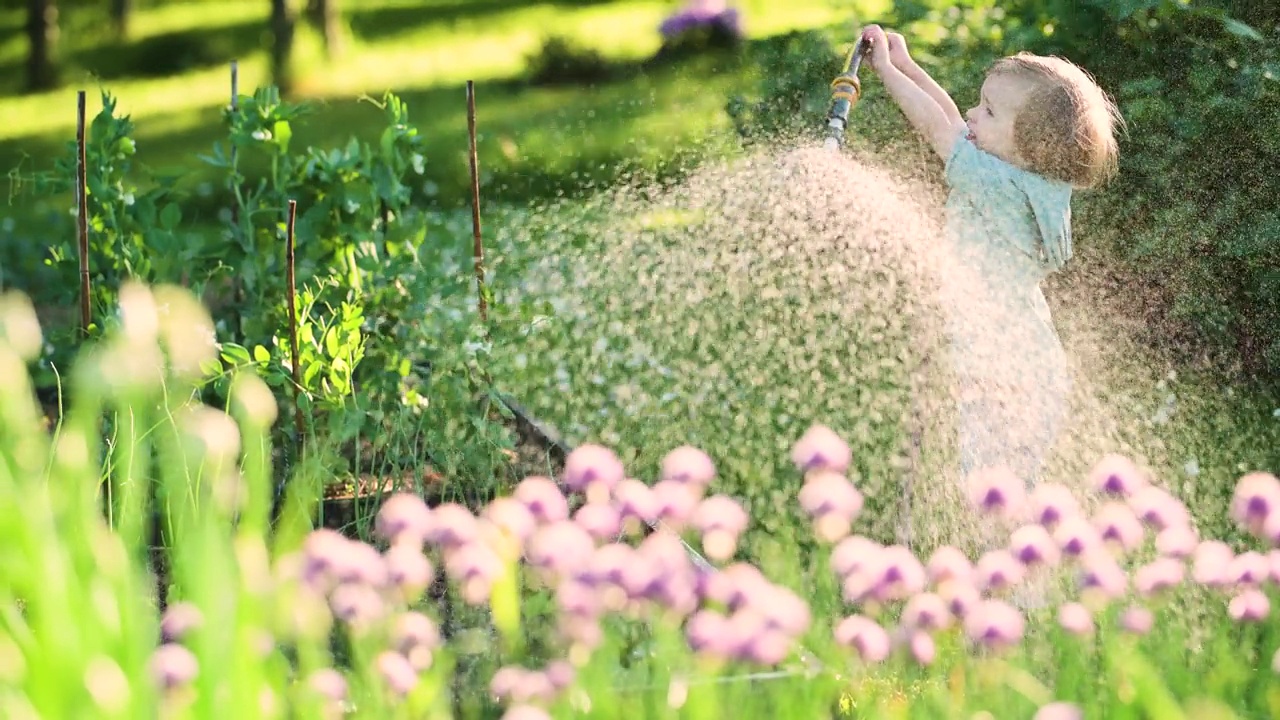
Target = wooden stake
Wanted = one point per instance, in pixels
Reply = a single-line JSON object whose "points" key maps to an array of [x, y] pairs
{"points": [[477, 248], [82, 215], [292, 291]]}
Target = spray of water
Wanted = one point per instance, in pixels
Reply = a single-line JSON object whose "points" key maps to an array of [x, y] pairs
{"points": [[759, 295]]}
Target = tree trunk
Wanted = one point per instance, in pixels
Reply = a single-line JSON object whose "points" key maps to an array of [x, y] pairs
{"points": [[282, 27], [42, 41], [121, 11], [325, 16]]}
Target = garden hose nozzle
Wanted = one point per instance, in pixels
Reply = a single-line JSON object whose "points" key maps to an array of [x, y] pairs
{"points": [[845, 91]]}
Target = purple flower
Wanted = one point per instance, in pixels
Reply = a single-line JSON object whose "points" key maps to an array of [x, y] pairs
{"points": [[173, 666], [1256, 496], [413, 630], [1136, 620], [356, 604], [179, 619], [851, 554], [602, 521], [1032, 545], [1075, 618], [994, 623], [577, 601], [543, 499], [1102, 576], [396, 671], [560, 673], [783, 610], [997, 491], [949, 564], [709, 633], [1158, 576], [608, 564], [769, 647], [865, 636], [926, 611], [687, 465], [324, 557], [1118, 525], [1116, 475], [821, 449], [1273, 559], [735, 585], [562, 548], [998, 570], [961, 597], [1157, 508], [473, 567], [453, 526], [592, 465], [1052, 503], [403, 517], [1250, 606], [1059, 711]]}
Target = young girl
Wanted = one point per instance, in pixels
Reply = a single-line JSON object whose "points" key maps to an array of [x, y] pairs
{"points": [[1041, 129]]}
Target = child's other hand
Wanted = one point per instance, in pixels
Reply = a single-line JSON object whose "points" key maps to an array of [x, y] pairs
{"points": [[898, 50], [878, 50]]}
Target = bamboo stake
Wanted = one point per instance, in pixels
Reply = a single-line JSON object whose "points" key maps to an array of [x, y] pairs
{"points": [[82, 215], [477, 248]]}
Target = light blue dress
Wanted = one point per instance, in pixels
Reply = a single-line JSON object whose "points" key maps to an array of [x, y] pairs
{"points": [[1008, 229]]}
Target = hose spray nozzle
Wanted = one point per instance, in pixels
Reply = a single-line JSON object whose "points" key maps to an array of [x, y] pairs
{"points": [[846, 88]]}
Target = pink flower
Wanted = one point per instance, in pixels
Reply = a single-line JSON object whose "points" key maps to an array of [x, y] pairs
{"points": [[1076, 536], [179, 619], [998, 570], [562, 548], [833, 503], [453, 526], [997, 491], [721, 520], [1032, 545], [961, 596], [403, 517], [329, 683], [396, 672], [602, 521], [474, 567], [512, 516], [676, 502], [851, 554], [592, 465], [994, 623], [821, 449], [709, 633], [1211, 563], [949, 564], [1256, 496], [1059, 711], [923, 649], [525, 712], [635, 500], [543, 499], [1136, 620], [409, 570], [784, 610], [1118, 525], [896, 574], [1157, 508], [926, 611], [1250, 606], [1177, 541], [1249, 568], [1273, 559], [1101, 575], [1075, 618], [865, 636], [1158, 576], [1116, 475], [1052, 503], [173, 666], [689, 466]]}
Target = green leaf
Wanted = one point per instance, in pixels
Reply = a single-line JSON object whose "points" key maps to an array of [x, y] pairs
{"points": [[261, 354], [235, 354], [331, 345], [1239, 29], [281, 132], [170, 216]]}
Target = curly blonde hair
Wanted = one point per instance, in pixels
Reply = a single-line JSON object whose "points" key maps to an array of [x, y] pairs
{"points": [[1067, 127]]}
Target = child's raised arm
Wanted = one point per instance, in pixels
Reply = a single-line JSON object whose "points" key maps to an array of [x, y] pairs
{"points": [[939, 123], [903, 61]]}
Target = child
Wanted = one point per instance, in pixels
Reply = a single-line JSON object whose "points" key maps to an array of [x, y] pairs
{"points": [[1041, 129]]}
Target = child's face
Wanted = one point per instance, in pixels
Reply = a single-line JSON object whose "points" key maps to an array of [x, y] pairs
{"points": [[991, 122]]}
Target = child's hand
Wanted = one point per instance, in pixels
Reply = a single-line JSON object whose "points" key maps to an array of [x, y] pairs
{"points": [[878, 50], [898, 50]]}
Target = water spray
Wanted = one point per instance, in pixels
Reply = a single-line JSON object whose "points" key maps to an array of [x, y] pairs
{"points": [[845, 91]]}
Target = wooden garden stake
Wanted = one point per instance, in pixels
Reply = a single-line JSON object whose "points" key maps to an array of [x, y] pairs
{"points": [[293, 319], [82, 214], [477, 248]]}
